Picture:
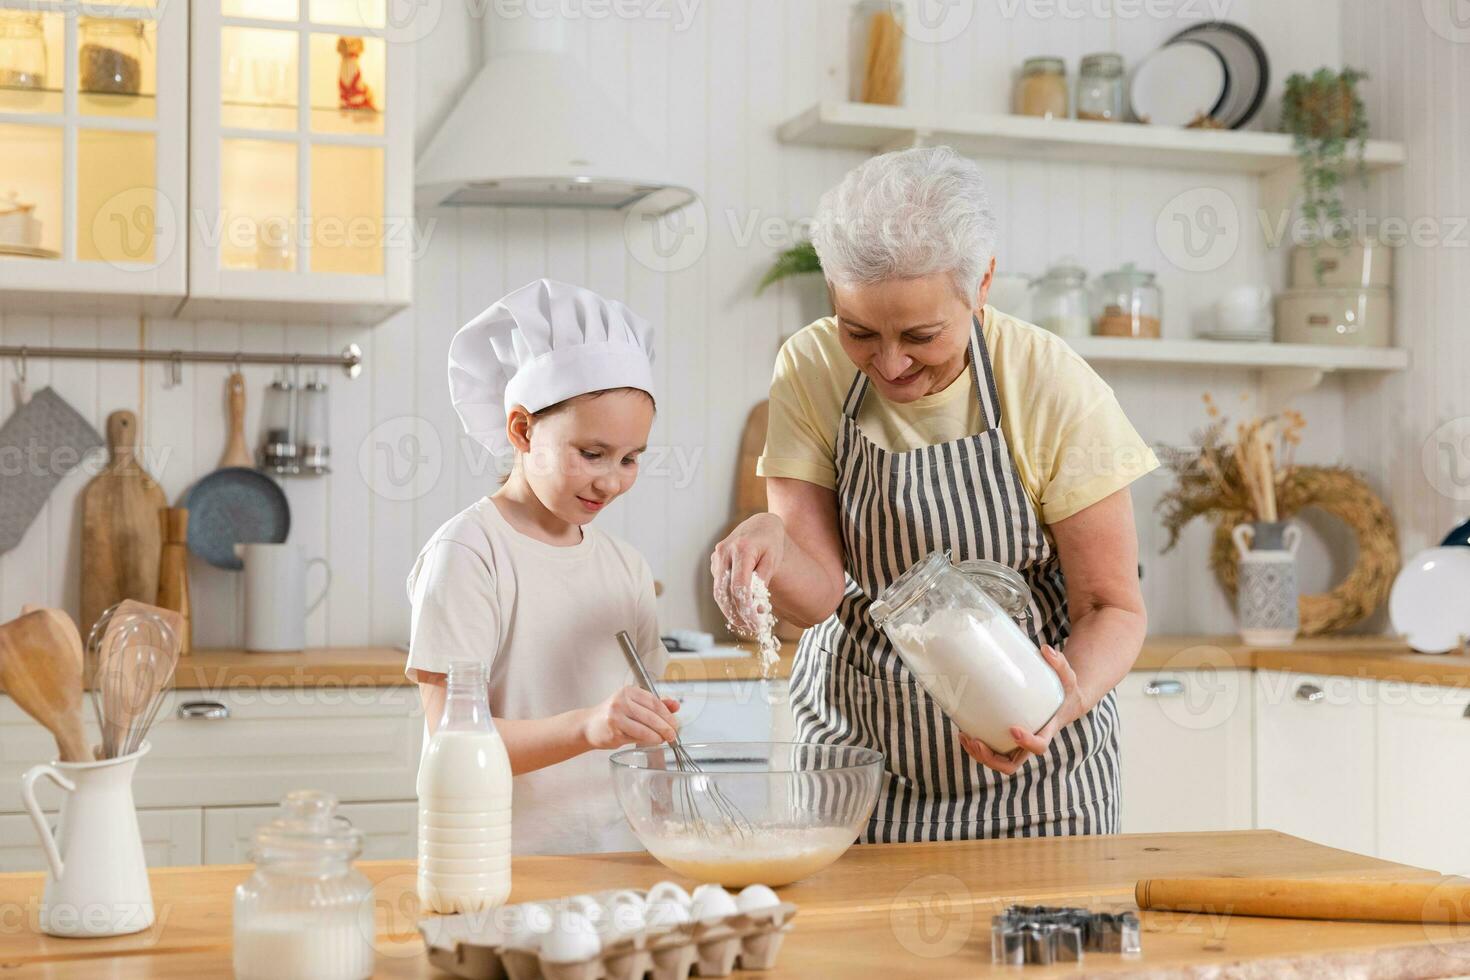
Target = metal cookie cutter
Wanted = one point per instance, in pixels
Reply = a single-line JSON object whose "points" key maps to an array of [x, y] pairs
{"points": [[1041, 934]]}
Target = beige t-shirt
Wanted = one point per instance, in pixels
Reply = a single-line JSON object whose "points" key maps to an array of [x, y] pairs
{"points": [[544, 618], [1070, 441]]}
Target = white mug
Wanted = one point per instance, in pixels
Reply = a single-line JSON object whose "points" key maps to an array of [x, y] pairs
{"points": [[275, 596], [96, 874], [1244, 309]]}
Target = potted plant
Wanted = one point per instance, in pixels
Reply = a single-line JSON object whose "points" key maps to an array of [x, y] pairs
{"points": [[1326, 117], [801, 261]]}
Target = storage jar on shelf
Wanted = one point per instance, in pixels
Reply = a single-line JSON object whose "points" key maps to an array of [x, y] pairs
{"points": [[1059, 301], [1100, 88], [110, 56], [1129, 304], [22, 50], [1042, 90]]}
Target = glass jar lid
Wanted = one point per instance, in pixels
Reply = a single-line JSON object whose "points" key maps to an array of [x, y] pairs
{"points": [[1044, 66], [1002, 583], [1105, 64], [308, 829], [1064, 273], [1128, 275]]}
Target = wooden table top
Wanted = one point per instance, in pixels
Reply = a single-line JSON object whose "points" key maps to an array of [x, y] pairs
{"points": [[880, 911]]}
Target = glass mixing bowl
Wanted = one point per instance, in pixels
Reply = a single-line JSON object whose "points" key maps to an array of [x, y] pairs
{"points": [[767, 812]]}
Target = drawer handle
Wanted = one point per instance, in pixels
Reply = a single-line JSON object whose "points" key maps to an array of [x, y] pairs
{"points": [[1163, 689], [1310, 693], [206, 710]]}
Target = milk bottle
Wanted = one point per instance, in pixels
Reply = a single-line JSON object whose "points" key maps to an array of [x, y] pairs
{"points": [[464, 787]]}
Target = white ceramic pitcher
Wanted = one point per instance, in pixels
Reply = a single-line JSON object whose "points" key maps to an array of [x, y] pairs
{"points": [[97, 879], [275, 596]]}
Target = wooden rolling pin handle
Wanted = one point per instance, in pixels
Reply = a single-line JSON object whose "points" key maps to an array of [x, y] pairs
{"points": [[1443, 900]]}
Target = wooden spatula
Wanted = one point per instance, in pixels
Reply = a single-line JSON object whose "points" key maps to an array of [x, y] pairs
{"points": [[236, 452], [41, 668]]}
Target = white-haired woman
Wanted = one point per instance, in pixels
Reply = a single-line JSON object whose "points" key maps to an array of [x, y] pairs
{"points": [[919, 418]]}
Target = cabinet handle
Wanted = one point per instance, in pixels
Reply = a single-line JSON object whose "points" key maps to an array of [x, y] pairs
{"points": [[206, 710], [1310, 693], [1163, 689]]}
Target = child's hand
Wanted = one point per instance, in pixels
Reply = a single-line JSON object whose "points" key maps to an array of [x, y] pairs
{"points": [[631, 715]]}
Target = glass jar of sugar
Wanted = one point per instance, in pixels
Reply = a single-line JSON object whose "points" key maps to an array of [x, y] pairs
{"points": [[954, 628], [306, 913]]}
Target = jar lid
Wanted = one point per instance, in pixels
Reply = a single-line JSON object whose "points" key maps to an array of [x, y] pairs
{"points": [[1047, 65], [1102, 63], [903, 591], [308, 829], [1001, 582], [1064, 272], [1129, 274]]}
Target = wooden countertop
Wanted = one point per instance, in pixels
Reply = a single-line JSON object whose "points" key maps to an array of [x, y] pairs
{"points": [[1373, 657], [881, 911]]}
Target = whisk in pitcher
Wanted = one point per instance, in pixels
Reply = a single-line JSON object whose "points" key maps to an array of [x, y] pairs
{"points": [[132, 653]]}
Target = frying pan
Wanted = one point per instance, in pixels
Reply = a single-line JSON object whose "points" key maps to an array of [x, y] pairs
{"points": [[231, 506]]}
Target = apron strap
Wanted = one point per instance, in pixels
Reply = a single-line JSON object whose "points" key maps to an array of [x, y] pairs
{"points": [[984, 377]]}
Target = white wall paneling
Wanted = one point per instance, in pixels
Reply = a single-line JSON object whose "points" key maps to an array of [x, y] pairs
{"points": [[709, 95]]}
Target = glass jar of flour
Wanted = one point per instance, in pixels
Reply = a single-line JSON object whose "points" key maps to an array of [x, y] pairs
{"points": [[954, 627]]}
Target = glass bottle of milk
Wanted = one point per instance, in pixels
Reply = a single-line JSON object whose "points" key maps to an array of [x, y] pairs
{"points": [[464, 788]]}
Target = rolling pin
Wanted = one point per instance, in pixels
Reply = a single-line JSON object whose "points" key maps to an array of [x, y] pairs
{"points": [[1445, 900]]}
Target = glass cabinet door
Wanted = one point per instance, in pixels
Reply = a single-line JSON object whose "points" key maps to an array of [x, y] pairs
{"points": [[305, 155], [93, 156]]}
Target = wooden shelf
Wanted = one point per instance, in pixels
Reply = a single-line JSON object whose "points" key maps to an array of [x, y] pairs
{"points": [[1217, 353], [880, 128]]}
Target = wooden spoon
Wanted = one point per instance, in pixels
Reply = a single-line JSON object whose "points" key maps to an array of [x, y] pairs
{"points": [[41, 668]]}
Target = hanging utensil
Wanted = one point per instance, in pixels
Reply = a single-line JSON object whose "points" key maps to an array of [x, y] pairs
{"points": [[41, 669]]}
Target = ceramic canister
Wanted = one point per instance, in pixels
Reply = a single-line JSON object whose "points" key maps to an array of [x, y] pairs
{"points": [[1266, 602]]}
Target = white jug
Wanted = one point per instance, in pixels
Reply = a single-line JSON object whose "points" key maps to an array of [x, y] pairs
{"points": [[97, 879], [275, 596]]}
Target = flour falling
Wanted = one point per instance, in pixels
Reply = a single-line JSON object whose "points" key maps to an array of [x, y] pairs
{"points": [[749, 614]]}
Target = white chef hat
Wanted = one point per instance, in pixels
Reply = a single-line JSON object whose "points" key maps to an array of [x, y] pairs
{"points": [[544, 343]]}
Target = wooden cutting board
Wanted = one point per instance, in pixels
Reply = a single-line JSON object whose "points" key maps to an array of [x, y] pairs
{"points": [[121, 535]]}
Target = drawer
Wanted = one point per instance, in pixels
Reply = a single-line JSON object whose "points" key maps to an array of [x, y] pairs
{"points": [[360, 744], [170, 837], [390, 830]]}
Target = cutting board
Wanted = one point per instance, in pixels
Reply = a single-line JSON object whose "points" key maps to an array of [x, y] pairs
{"points": [[121, 535]]}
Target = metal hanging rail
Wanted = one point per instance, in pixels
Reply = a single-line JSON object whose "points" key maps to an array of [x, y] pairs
{"points": [[350, 360]]}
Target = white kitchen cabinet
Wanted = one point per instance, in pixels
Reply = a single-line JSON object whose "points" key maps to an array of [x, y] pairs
{"points": [[301, 208], [170, 837], [1423, 791], [390, 830], [1186, 750], [1316, 758], [93, 122]]}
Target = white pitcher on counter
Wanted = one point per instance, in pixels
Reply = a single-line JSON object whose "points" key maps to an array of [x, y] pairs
{"points": [[97, 878], [275, 596]]}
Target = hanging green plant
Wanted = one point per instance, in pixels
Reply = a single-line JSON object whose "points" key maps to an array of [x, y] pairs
{"points": [[800, 259], [1325, 117]]}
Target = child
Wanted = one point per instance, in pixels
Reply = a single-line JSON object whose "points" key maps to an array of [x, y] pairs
{"points": [[561, 379]]}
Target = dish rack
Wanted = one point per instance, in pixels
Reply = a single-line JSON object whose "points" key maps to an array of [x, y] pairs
{"points": [[473, 946]]}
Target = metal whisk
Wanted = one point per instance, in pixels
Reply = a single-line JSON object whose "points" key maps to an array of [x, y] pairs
{"points": [[731, 822], [131, 656]]}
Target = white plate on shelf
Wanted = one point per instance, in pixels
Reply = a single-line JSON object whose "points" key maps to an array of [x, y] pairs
{"points": [[1430, 602], [1176, 84]]}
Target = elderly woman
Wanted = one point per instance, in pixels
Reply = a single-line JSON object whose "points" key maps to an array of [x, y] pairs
{"points": [[919, 418]]}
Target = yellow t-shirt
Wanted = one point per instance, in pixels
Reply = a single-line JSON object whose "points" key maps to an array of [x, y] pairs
{"points": [[1070, 441]]}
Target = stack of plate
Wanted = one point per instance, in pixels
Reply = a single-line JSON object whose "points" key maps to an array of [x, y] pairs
{"points": [[1214, 69]]}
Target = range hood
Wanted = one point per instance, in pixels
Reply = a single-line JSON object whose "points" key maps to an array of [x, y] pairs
{"points": [[534, 129]]}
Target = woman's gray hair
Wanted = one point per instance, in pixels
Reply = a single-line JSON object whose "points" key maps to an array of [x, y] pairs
{"points": [[904, 215]]}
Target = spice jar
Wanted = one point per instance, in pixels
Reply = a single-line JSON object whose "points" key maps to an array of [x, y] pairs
{"points": [[111, 56], [280, 454], [1100, 88], [875, 52], [1129, 304], [953, 628], [1042, 90], [312, 428], [22, 50], [1059, 301], [305, 912]]}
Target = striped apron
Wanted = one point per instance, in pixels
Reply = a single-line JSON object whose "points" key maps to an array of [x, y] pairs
{"points": [[848, 686]]}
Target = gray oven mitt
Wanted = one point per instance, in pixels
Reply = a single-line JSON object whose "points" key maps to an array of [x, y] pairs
{"points": [[30, 464]]}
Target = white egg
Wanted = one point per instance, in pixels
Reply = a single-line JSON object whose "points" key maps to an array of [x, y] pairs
{"points": [[525, 925], [755, 897], [623, 919], [667, 913], [588, 907], [712, 904], [666, 891], [625, 897], [703, 889], [572, 940]]}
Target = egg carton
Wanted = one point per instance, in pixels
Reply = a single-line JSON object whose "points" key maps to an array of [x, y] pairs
{"points": [[474, 946]]}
